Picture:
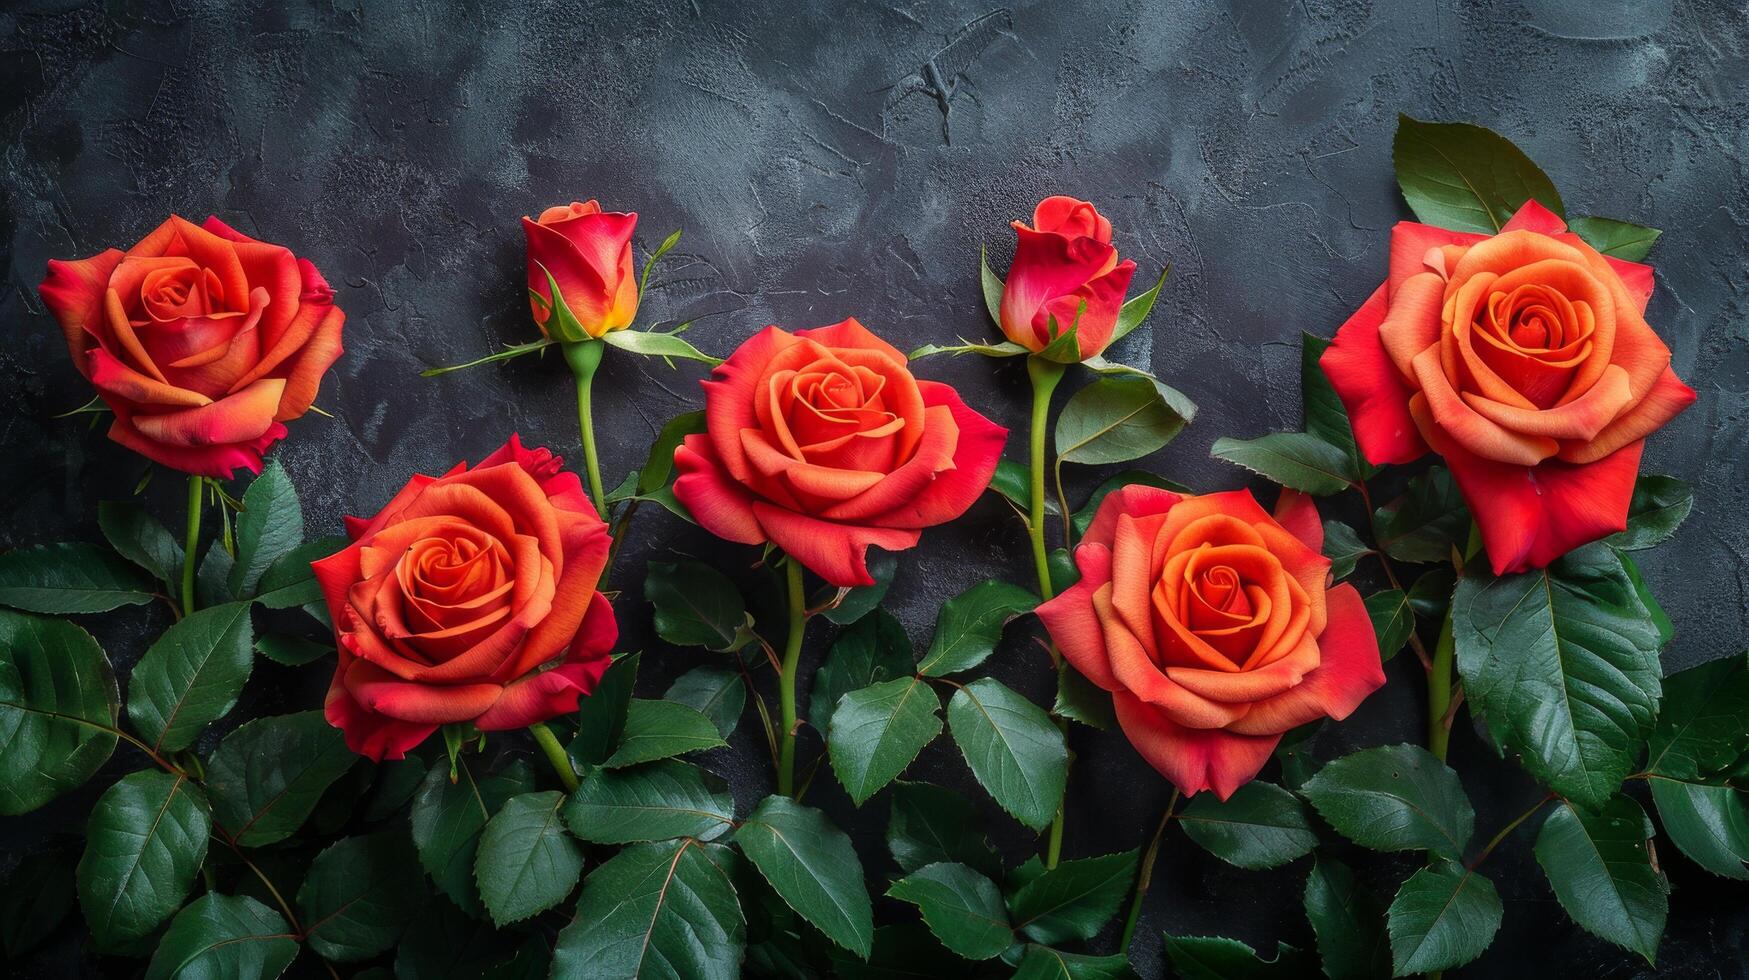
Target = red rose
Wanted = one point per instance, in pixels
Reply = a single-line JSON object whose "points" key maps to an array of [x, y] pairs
{"points": [[823, 443], [1213, 627], [588, 254], [1065, 272], [470, 597], [201, 340], [1524, 359]]}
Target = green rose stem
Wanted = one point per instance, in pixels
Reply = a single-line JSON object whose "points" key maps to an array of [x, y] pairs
{"points": [[584, 357], [196, 491], [1145, 876], [786, 691], [1439, 692], [1044, 374], [556, 755]]}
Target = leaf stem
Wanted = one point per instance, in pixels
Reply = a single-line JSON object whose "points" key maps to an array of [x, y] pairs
{"points": [[1391, 573], [555, 753], [584, 357], [1045, 375], [191, 541], [1439, 703], [786, 690], [503, 355], [1145, 876], [1506, 831]]}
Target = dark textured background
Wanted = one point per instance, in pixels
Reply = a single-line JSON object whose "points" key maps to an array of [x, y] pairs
{"points": [[848, 159]]}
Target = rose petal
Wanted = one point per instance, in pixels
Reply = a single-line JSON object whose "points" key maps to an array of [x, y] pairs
{"points": [[1349, 670], [837, 553], [1371, 388], [1193, 759]]}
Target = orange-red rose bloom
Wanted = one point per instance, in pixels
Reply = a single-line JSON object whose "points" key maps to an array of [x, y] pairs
{"points": [[1214, 628], [1523, 358], [470, 597], [1065, 272], [822, 443], [588, 254], [201, 340]]}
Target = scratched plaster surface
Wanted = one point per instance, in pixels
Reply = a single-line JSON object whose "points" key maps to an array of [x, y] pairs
{"points": [[837, 159]]}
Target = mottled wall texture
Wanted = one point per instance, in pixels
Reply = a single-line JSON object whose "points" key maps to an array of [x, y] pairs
{"points": [[837, 159]]}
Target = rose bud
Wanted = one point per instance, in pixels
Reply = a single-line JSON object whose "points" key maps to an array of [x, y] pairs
{"points": [[1214, 628], [1065, 273], [1524, 359], [203, 341], [581, 281], [823, 443], [470, 597]]}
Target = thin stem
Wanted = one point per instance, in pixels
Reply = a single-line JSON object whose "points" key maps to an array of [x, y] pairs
{"points": [[555, 753], [1439, 705], [618, 534], [1045, 375], [191, 541], [786, 690], [1146, 876], [1391, 575], [1506, 831], [1063, 505], [584, 358]]}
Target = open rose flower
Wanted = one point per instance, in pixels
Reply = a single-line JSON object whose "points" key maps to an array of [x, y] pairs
{"points": [[587, 252], [1525, 360], [1213, 626], [1065, 272], [470, 597], [823, 443], [201, 340]]}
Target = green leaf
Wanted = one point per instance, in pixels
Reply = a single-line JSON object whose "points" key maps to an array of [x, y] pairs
{"points": [[270, 525], [358, 896], [1325, 416], [514, 350], [1444, 916], [650, 263], [1044, 963], [526, 862], [659, 730], [1349, 923], [962, 907], [268, 775], [1342, 545], [290, 581], [1219, 958], [993, 287], [138, 537], [1073, 900], [445, 943], [933, 824], [1393, 620], [857, 602], [1115, 419], [869, 651], [656, 910], [1079, 699], [144, 843], [227, 936], [1464, 177], [877, 731], [1601, 868], [1136, 309], [1084, 516], [1703, 725], [811, 865], [1012, 748], [650, 343], [70, 578], [447, 820], [1002, 349], [1431, 594], [970, 624], [1394, 798], [1620, 239], [1292, 459], [1260, 826], [1659, 506], [718, 693], [697, 606], [659, 465], [291, 651], [191, 676], [1710, 824], [659, 801], [35, 898], [58, 705], [601, 717], [1562, 663], [1427, 522], [1013, 481]]}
